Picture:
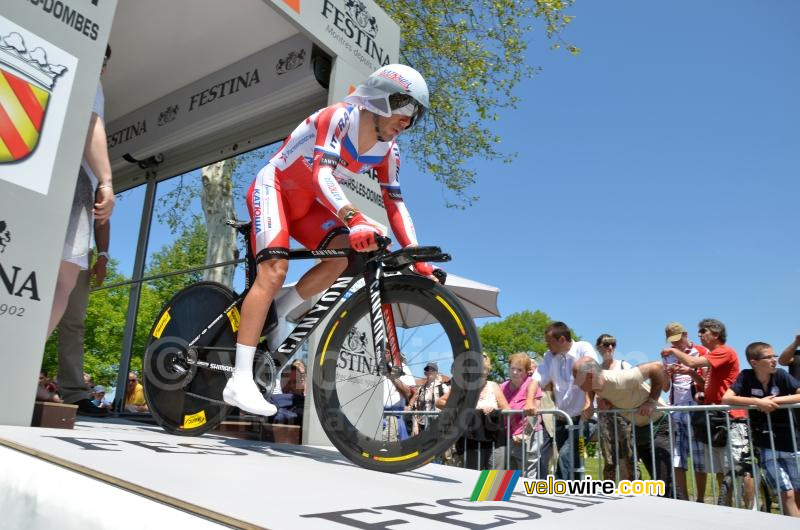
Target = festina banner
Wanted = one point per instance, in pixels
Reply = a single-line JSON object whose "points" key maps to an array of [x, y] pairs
{"points": [[359, 32], [51, 52]]}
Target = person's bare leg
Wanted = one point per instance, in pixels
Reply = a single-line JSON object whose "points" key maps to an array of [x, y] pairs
{"points": [[322, 275], [241, 390], [701, 479], [680, 483], [749, 490], [314, 281], [67, 276]]}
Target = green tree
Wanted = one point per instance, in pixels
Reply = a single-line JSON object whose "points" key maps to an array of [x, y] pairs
{"points": [[522, 331], [472, 55], [187, 251]]}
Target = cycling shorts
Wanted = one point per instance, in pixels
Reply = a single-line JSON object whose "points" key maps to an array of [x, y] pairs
{"points": [[278, 213]]}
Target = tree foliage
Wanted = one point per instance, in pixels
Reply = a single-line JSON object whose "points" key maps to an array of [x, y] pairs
{"points": [[519, 332], [472, 54]]}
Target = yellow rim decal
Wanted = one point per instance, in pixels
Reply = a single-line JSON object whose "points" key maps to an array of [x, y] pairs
{"points": [[343, 314], [162, 323], [327, 341], [466, 343], [193, 421], [458, 321], [233, 316], [395, 458]]}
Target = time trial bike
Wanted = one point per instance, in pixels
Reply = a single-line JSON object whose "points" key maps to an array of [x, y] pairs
{"points": [[377, 320]]}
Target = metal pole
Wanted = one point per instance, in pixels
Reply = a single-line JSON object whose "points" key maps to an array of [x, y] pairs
{"points": [[710, 452], [729, 445], [616, 447], [671, 457], [775, 461], [689, 431], [653, 450], [136, 290], [635, 449], [755, 474]]}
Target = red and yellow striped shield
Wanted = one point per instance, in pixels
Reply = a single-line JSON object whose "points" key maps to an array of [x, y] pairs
{"points": [[22, 109]]}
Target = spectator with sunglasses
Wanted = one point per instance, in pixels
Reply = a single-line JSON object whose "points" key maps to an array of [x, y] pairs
{"points": [[722, 365], [682, 380], [614, 435], [299, 194]]}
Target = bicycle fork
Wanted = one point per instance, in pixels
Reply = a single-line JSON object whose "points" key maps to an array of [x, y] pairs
{"points": [[384, 333]]}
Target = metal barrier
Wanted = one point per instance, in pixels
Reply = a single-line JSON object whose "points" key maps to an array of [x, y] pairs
{"points": [[729, 484]]}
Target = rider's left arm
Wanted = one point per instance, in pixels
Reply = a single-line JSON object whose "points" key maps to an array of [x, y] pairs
{"points": [[399, 218]]}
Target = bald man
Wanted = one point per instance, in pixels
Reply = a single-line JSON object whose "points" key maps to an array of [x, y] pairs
{"points": [[629, 389]]}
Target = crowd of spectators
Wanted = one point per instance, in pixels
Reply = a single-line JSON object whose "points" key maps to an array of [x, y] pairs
{"points": [[621, 407], [49, 391]]}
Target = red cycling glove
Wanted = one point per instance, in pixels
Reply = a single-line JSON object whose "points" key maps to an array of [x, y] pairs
{"points": [[362, 233], [423, 268]]}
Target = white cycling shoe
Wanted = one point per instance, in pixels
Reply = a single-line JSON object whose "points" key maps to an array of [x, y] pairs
{"points": [[242, 392]]}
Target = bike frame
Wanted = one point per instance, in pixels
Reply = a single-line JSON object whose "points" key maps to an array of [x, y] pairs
{"points": [[382, 322]]}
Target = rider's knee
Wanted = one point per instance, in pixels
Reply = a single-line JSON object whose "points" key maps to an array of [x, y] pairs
{"points": [[272, 272]]}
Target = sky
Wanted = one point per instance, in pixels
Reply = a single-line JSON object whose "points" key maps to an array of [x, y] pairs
{"points": [[656, 178]]}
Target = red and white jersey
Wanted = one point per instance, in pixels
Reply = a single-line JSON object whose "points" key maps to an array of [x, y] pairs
{"points": [[322, 152]]}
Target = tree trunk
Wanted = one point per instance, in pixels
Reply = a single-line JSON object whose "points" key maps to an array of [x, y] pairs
{"points": [[217, 202]]}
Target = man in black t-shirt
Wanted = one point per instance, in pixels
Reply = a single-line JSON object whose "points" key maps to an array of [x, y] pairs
{"points": [[767, 388], [791, 358]]}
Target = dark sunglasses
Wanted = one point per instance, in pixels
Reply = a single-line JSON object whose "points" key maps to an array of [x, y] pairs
{"points": [[607, 344], [701, 331]]}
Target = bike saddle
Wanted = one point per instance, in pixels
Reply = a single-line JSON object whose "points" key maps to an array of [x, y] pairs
{"points": [[242, 227]]}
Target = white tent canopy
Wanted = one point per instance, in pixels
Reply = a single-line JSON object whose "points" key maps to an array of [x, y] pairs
{"points": [[479, 299]]}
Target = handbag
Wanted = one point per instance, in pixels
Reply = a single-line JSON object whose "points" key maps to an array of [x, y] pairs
{"points": [[716, 423]]}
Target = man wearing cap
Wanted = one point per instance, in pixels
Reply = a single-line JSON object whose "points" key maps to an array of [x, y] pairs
{"points": [[424, 399], [681, 379], [722, 365], [99, 397]]}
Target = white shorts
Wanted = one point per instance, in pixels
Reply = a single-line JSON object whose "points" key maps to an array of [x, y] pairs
{"points": [[78, 241]]}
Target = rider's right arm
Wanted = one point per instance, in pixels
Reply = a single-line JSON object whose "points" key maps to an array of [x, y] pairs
{"points": [[332, 124]]}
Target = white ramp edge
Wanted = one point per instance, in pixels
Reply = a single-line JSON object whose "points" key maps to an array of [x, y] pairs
{"points": [[39, 491], [122, 475]]}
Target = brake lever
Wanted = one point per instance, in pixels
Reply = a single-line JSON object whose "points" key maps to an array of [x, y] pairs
{"points": [[440, 275], [383, 242]]}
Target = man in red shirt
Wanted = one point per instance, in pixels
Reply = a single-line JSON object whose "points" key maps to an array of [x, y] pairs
{"points": [[722, 364]]}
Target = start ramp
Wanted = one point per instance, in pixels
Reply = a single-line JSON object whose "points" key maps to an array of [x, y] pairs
{"points": [[128, 475]]}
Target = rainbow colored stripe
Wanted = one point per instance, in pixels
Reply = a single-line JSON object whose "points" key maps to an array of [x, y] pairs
{"points": [[495, 486]]}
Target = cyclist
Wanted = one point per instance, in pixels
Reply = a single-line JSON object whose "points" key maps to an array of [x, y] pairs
{"points": [[298, 194]]}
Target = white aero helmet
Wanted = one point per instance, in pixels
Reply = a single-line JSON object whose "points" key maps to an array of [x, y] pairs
{"points": [[393, 89]]}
